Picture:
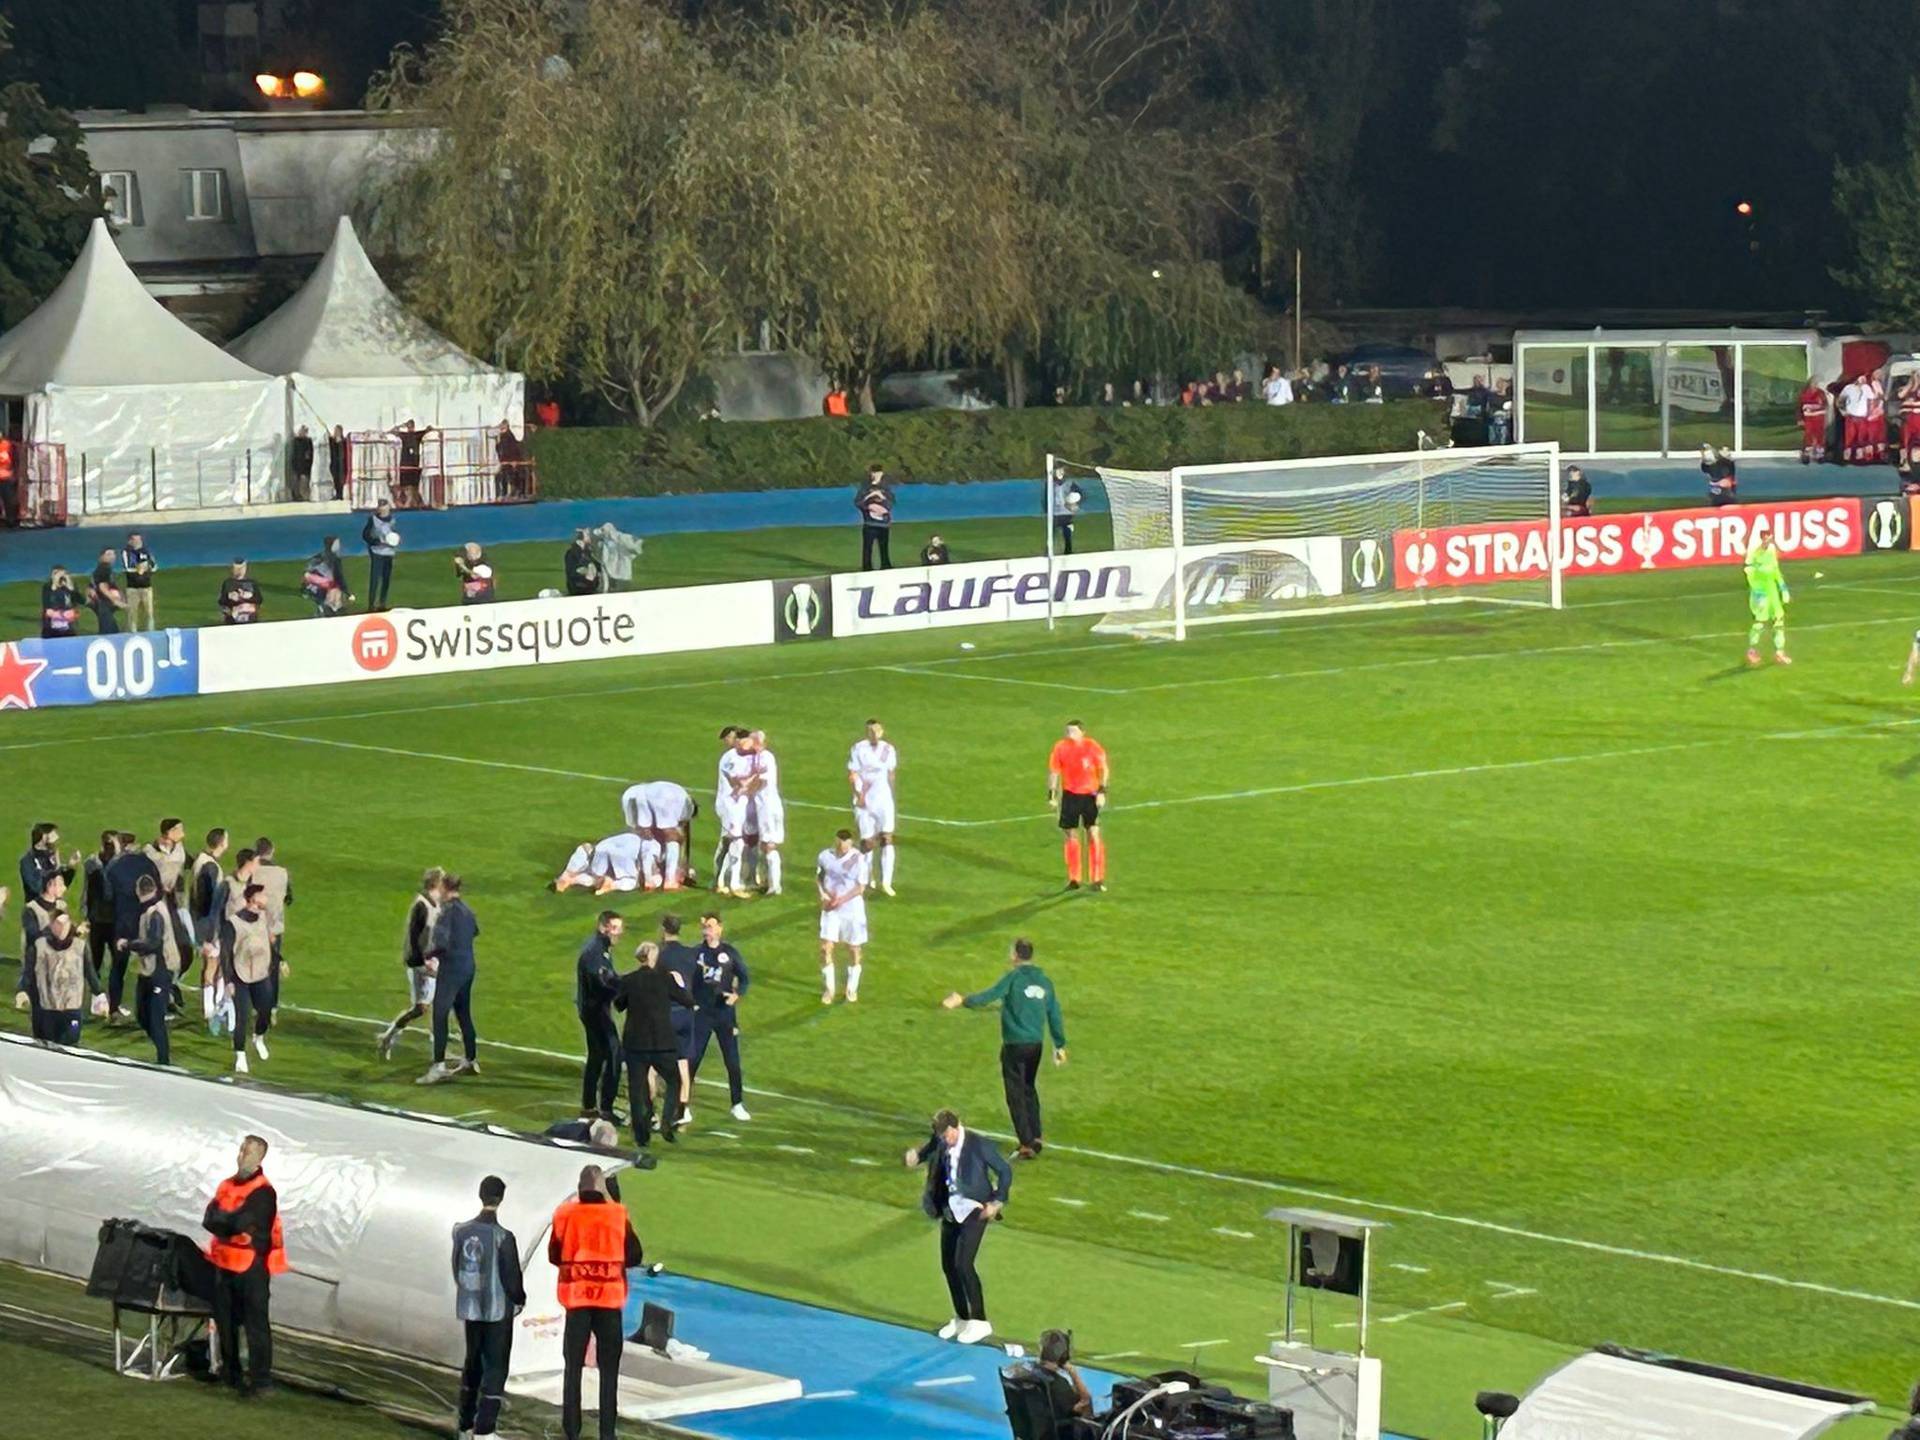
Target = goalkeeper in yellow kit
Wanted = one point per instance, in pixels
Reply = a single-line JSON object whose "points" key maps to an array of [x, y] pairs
{"points": [[1767, 596]]}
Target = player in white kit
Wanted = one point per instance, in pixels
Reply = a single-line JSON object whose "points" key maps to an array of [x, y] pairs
{"points": [[732, 800], [871, 769], [613, 864], [769, 812], [659, 812], [842, 878]]}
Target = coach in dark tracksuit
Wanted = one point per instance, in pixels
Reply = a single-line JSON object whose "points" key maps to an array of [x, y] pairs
{"points": [[723, 983], [453, 936], [1029, 1011], [595, 983], [967, 1186], [123, 877], [488, 1293]]}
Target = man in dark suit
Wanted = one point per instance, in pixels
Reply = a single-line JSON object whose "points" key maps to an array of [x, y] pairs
{"points": [[645, 997], [968, 1182]]}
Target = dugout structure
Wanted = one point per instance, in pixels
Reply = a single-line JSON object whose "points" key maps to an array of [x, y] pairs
{"points": [[368, 1197]]}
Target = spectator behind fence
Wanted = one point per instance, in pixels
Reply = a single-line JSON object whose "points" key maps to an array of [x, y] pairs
{"points": [[239, 595], [1722, 483], [10, 507], [136, 569], [1576, 493], [406, 477], [1500, 414], [1276, 389], [934, 552], [337, 461], [476, 574], [59, 606], [512, 479], [582, 565], [300, 477], [381, 540], [325, 581], [104, 596]]}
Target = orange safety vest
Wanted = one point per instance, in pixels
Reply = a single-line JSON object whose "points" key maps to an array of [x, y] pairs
{"points": [[836, 402], [593, 1255], [6, 458], [235, 1252]]}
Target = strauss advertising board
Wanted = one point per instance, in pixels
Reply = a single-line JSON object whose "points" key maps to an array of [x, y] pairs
{"points": [[1624, 544]]}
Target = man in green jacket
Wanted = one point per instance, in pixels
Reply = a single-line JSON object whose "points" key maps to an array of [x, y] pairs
{"points": [[1029, 1011]]}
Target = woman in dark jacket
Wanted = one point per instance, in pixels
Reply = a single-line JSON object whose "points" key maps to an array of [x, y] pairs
{"points": [[59, 605]]}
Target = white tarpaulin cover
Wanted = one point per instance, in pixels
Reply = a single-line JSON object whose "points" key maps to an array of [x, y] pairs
{"points": [[359, 359], [368, 1199], [152, 415], [1601, 1396]]}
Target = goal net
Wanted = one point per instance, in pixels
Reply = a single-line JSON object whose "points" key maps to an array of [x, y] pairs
{"points": [[1254, 541]]}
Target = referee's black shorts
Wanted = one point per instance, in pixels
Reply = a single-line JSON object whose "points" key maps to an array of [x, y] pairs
{"points": [[1078, 810]]}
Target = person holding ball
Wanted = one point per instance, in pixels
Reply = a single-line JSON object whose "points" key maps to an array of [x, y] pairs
{"points": [[382, 539]]}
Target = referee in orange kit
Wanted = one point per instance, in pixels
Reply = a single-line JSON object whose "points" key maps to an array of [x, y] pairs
{"points": [[1077, 779]]}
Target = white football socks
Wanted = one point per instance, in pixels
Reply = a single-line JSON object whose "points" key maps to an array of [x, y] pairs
{"points": [[886, 865], [730, 867], [650, 861], [853, 982], [773, 869], [673, 861], [826, 978]]}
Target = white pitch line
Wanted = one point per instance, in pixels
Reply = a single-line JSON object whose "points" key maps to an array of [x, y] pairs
{"points": [[1198, 1344], [1064, 1200], [1506, 1291], [943, 1380], [861, 1160], [795, 1149], [1406, 1315], [1003, 680], [1275, 1187], [723, 1134], [1113, 1355], [1410, 1269], [830, 1395], [1147, 1215], [1233, 1234]]}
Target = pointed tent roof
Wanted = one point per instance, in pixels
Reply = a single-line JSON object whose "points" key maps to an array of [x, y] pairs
{"points": [[344, 324], [101, 328]]}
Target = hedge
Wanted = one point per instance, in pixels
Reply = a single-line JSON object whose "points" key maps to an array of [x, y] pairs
{"points": [[953, 445]]}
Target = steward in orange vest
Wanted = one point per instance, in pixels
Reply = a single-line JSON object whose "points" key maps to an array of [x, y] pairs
{"points": [[9, 508], [592, 1244], [246, 1249]]}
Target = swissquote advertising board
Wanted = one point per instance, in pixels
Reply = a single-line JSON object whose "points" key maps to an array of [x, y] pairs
{"points": [[1644, 540], [485, 637]]}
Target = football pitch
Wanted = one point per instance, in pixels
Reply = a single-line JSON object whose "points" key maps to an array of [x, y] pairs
{"points": [[1563, 941]]}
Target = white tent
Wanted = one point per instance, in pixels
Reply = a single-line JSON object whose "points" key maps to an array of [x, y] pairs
{"points": [[359, 359], [153, 416]]}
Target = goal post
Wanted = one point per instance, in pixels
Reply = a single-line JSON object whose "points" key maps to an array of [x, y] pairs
{"points": [[1267, 539]]}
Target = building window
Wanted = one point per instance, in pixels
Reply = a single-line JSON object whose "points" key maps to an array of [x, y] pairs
{"points": [[206, 195], [121, 194]]}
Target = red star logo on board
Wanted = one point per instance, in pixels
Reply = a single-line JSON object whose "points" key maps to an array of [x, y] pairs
{"points": [[17, 674]]}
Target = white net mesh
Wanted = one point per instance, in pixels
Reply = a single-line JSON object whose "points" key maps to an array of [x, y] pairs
{"points": [[1273, 537]]}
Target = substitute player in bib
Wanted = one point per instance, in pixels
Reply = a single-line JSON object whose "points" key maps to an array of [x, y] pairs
{"points": [[1077, 781], [871, 770], [732, 800], [661, 813], [768, 818], [842, 879], [1767, 595]]}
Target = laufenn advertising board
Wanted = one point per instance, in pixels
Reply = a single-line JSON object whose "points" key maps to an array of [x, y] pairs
{"points": [[455, 640]]}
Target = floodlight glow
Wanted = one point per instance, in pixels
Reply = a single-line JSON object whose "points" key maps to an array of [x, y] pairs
{"points": [[272, 86], [306, 84]]}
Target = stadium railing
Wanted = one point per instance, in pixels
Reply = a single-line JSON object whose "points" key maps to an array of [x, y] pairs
{"points": [[457, 467]]}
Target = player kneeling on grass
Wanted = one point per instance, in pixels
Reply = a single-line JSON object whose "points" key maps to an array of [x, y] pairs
{"points": [[421, 914], [842, 878], [1767, 595], [661, 814], [613, 864]]}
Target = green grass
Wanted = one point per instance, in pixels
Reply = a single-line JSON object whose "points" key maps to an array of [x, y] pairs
{"points": [[1554, 937]]}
